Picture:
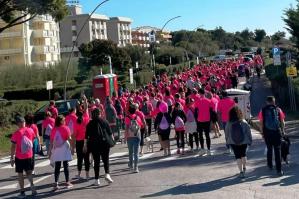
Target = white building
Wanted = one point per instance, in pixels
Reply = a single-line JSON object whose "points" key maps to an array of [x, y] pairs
{"points": [[120, 31], [34, 42], [96, 28]]}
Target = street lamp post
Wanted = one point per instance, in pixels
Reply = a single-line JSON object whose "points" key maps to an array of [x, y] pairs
{"points": [[73, 47], [153, 45]]}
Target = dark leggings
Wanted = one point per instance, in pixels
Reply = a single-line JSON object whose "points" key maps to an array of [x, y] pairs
{"points": [[66, 170], [195, 135], [204, 127], [100, 151], [180, 139], [81, 156], [142, 133], [149, 126]]}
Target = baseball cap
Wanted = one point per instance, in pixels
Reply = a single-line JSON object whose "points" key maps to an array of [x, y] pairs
{"points": [[19, 119]]}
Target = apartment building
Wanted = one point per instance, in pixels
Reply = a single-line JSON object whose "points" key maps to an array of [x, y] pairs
{"points": [[146, 30], [140, 38], [34, 42], [119, 30], [95, 28]]}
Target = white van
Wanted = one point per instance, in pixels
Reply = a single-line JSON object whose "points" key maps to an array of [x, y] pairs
{"points": [[242, 97]]}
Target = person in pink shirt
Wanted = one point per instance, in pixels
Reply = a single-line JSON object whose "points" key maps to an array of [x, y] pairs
{"points": [[178, 99], [214, 117], [133, 140], [29, 118], [169, 99], [60, 150], [202, 108], [71, 119], [78, 139], [22, 154], [53, 110], [147, 109], [47, 126], [224, 106], [142, 127]]}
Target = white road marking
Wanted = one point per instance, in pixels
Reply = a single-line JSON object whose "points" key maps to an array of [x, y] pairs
{"points": [[42, 164], [115, 155], [5, 160], [145, 156], [12, 186]]}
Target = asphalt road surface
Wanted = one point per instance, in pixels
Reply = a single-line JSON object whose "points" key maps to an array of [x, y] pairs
{"points": [[178, 176]]}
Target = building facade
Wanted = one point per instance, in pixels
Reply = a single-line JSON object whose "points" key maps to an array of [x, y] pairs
{"points": [[34, 42], [159, 35], [119, 30], [95, 28], [140, 38]]}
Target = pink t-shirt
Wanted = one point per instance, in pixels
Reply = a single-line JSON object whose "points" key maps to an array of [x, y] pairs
{"points": [[80, 129], [47, 121], [203, 105], [70, 121], [17, 139], [141, 116], [224, 107], [34, 128], [64, 132]]}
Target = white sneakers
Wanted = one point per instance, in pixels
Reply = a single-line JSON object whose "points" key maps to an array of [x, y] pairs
{"points": [[136, 170], [201, 152], [108, 178], [97, 182]]}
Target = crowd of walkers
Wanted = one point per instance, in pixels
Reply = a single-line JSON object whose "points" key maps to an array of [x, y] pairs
{"points": [[193, 103]]}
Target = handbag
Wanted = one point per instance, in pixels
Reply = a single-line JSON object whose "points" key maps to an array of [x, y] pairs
{"points": [[106, 138]]}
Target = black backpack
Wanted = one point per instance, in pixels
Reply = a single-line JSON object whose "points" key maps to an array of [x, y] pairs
{"points": [[145, 109], [271, 118], [237, 133]]}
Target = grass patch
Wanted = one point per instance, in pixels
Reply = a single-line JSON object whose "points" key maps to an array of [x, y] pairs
{"points": [[5, 134]]}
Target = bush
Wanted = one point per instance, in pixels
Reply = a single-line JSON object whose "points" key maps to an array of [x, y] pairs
{"points": [[10, 109]]}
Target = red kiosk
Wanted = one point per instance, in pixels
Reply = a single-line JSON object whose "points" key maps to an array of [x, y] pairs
{"points": [[104, 85]]}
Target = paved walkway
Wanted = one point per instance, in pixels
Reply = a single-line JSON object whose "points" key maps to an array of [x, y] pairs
{"points": [[178, 176]]}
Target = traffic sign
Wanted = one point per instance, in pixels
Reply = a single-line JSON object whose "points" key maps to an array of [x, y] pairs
{"points": [[152, 36], [131, 76], [291, 71], [276, 56], [49, 85]]}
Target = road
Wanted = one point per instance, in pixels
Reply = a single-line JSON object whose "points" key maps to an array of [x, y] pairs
{"points": [[178, 176]]}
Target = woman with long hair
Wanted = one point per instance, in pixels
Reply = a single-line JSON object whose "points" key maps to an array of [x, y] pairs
{"points": [[98, 140], [238, 136], [60, 150]]}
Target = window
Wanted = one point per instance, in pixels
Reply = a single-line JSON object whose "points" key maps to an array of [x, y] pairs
{"points": [[74, 22], [74, 33], [75, 43], [6, 58]]}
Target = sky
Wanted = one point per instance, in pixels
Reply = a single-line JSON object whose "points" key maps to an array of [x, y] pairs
{"points": [[231, 15]]}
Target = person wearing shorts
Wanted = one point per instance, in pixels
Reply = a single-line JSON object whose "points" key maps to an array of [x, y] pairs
{"points": [[164, 133], [22, 154]]}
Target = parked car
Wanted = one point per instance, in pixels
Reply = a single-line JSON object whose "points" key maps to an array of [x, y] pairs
{"points": [[219, 58], [62, 107]]}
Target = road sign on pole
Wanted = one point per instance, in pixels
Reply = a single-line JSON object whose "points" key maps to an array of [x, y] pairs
{"points": [[137, 65], [152, 36], [49, 86], [276, 56], [131, 76], [291, 71]]}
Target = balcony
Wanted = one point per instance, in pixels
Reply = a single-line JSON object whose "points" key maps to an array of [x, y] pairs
{"points": [[10, 34], [41, 49], [74, 28], [11, 51], [43, 18], [68, 49], [43, 33]]}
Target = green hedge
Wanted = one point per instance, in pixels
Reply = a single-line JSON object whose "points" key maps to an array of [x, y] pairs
{"points": [[9, 109]]}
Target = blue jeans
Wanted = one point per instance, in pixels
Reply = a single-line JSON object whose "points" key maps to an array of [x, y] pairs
{"points": [[133, 146], [47, 143]]}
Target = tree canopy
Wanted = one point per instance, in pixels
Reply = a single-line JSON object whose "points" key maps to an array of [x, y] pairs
{"points": [[291, 18], [15, 12]]}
